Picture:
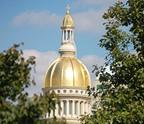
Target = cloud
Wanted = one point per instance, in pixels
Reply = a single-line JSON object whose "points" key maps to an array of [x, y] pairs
{"points": [[43, 60], [98, 3], [86, 20], [39, 18], [91, 60], [89, 21]]}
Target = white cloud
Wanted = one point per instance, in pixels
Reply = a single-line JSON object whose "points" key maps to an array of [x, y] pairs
{"points": [[91, 60], [90, 18], [99, 3], [94, 2], [89, 21], [40, 18], [43, 60]]}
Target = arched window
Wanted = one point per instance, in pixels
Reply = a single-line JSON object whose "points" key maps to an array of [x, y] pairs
{"points": [[64, 35], [68, 38]]}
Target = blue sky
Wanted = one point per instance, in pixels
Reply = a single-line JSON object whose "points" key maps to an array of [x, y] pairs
{"points": [[17, 24], [37, 24]]}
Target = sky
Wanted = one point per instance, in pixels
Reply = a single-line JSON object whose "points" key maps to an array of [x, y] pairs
{"points": [[37, 23]]}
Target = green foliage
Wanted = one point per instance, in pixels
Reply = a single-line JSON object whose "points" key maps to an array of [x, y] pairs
{"points": [[34, 109], [14, 73], [14, 78], [16, 107], [123, 101]]}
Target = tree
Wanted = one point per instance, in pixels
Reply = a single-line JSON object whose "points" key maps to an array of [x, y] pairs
{"points": [[14, 78], [16, 107], [34, 109], [14, 73], [123, 100]]}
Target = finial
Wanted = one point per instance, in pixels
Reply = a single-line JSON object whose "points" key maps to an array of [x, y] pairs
{"points": [[68, 9]]}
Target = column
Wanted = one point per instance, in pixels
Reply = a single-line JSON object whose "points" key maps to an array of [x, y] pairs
{"points": [[85, 106], [46, 115], [78, 108], [89, 109], [82, 107], [67, 108], [73, 108], [66, 35], [71, 35], [63, 35], [62, 108], [56, 110], [59, 109], [51, 114]]}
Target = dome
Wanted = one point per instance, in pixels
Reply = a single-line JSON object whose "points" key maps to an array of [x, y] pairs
{"points": [[68, 21], [67, 72]]}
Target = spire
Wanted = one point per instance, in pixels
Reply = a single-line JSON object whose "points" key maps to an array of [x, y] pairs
{"points": [[68, 9], [67, 47]]}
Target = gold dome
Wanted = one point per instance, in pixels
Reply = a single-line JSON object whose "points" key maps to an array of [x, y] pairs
{"points": [[68, 21], [67, 72]]}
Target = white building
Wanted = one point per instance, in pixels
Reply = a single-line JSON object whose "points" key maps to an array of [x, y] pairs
{"points": [[69, 77]]}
